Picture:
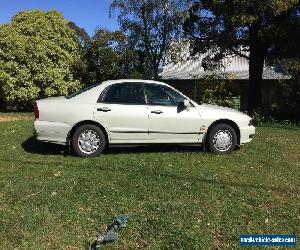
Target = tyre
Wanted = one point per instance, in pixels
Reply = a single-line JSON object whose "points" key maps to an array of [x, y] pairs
{"points": [[88, 141], [222, 139]]}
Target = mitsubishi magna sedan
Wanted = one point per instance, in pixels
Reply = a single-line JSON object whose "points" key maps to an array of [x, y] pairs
{"points": [[137, 112]]}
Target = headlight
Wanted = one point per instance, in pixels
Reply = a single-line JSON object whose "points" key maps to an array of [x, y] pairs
{"points": [[250, 122]]}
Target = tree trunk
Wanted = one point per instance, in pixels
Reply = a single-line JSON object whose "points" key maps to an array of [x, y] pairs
{"points": [[155, 72], [256, 66]]}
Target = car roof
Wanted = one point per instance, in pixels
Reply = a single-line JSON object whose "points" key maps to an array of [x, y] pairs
{"points": [[109, 82], [101, 86]]}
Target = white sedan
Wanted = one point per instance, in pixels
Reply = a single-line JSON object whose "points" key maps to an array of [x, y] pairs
{"points": [[137, 112]]}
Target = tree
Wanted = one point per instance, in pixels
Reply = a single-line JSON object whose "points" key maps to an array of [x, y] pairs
{"points": [[83, 36], [250, 29], [286, 52], [150, 26], [81, 70], [38, 52], [109, 57]]}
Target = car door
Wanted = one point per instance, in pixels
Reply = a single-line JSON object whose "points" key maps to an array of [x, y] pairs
{"points": [[122, 110], [169, 121]]}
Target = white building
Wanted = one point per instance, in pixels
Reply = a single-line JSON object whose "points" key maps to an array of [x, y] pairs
{"points": [[237, 67]]}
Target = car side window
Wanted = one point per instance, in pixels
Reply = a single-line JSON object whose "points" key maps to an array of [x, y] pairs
{"points": [[125, 93], [176, 98], [162, 95]]}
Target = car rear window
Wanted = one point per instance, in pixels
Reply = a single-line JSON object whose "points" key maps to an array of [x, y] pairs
{"points": [[82, 90]]}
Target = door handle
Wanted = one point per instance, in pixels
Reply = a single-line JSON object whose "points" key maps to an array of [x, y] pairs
{"points": [[104, 109], [156, 111]]}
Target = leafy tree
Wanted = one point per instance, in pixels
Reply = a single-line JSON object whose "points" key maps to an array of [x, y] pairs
{"points": [[109, 57], [286, 52], [250, 29], [150, 26], [83, 36], [38, 52], [81, 69]]}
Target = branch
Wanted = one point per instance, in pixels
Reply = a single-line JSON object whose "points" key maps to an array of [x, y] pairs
{"points": [[164, 36], [239, 54]]}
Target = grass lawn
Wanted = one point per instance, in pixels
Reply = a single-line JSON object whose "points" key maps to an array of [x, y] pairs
{"points": [[176, 197]]}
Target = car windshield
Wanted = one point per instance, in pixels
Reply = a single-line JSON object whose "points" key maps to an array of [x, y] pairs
{"points": [[81, 91]]}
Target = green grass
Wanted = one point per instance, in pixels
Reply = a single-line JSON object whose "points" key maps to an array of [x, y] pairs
{"points": [[176, 197]]}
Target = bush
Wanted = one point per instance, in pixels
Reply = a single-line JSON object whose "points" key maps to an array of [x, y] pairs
{"points": [[287, 104], [38, 54], [210, 89], [217, 91]]}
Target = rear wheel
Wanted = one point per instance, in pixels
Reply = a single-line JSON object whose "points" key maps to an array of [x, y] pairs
{"points": [[222, 139], [88, 141]]}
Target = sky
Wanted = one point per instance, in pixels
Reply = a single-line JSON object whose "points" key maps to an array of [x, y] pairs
{"points": [[88, 14]]}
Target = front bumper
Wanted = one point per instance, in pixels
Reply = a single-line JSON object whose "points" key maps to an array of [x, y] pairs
{"points": [[247, 134]]}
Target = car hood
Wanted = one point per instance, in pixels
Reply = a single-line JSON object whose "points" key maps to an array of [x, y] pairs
{"points": [[221, 111]]}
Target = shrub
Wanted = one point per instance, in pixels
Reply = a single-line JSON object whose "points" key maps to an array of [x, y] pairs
{"points": [[38, 53], [287, 104], [214, 89]]}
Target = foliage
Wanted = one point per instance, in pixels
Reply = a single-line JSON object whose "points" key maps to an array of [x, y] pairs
{"points": [[150, 25], [287, 103], [260, 120], [250, 29], [105, 56], [83, 36], [216, 91], [176, 197], [290, 64], [38, 52], [284, 104], [210, 89], [109, 57], [81, 67], [286, 53]]}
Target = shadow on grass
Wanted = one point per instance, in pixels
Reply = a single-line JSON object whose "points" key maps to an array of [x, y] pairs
{"points": [[34, 146], [156, 148]]}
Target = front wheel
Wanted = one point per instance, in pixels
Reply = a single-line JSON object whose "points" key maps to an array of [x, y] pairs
{"points": [[222, 139], [88, 141]]}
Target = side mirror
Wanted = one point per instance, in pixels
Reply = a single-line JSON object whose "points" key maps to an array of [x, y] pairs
{"points": [[186, 104]]}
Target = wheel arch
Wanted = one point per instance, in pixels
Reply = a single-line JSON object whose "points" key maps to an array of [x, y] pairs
{"points": [[227, 122], [71, 132]]}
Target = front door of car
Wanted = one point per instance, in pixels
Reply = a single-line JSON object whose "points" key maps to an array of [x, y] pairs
{"points": [[169, 121], [122, 110]]}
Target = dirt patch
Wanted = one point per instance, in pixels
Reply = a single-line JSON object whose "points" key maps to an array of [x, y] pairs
{"points": [[10, 118], [217, 239]]}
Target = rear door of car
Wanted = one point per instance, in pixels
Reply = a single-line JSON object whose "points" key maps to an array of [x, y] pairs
{"points": [[122, 110], [169, 121]]}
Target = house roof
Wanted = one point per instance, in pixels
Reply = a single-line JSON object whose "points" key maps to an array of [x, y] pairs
{"points": [[236, 66]]}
